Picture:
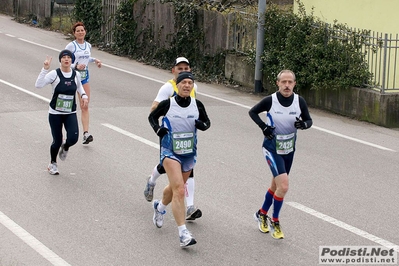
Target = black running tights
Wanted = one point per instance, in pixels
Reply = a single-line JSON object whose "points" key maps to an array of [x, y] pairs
{"points": [[70, 122]]}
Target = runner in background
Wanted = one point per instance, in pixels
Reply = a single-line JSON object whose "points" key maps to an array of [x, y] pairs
{"points": [[82, 52]]}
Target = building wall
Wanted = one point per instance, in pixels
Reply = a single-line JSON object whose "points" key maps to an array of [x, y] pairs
{"points": [[374, 15]]}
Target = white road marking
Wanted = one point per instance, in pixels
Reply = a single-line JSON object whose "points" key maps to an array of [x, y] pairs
{"points": [[106, 65], [30, 240], [25, 91], [131, 135], [223, 100], [132, 73], [41, 45], [343, 225], [353, 139]]}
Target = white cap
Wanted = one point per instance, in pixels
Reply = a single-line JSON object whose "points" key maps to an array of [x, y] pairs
{"points": [[181, 60]]}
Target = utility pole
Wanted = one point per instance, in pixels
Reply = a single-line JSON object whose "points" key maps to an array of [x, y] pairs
{"points": [[260, 33]]}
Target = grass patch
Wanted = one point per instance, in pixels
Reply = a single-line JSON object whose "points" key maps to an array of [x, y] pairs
{"points": [[62, 23]]}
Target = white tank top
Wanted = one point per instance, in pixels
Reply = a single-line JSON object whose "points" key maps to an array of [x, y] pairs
{"points": [[182, 119], [181, 123], [283, 118], [82, 53]]}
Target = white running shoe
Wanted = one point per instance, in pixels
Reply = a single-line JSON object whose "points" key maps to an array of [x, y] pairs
{"points": [[158, 216], [186, 239], [53, 169]]}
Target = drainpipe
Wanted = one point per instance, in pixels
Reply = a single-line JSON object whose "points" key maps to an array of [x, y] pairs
{"points": [[260, 33]]}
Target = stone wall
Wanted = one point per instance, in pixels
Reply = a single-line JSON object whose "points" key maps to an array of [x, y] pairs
{"points": [[359, 103]]}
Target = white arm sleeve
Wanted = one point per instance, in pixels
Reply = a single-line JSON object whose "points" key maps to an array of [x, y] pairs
{"points": [[45, 77]]}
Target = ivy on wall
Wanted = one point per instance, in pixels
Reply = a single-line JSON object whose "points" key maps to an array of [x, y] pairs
{"points": [[90, 13], [124, 31]]}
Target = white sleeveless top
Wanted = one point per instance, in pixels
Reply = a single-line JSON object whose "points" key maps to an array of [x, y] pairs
{"points": [[283, 118], [82, 52], [182, 119], [182, 138]]}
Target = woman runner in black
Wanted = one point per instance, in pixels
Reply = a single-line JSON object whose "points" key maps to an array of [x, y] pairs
{"points": [[62, 110]]}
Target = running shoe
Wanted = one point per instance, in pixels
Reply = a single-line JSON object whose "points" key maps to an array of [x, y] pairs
{"points": [[149, 190], [53, 169], [158, 216], [262, 221], [87, 138], [186, 239], [276, 228], [193, 213], [63, 153]]}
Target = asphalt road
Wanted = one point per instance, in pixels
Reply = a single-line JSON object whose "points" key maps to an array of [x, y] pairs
{"points": [[343, 185]]}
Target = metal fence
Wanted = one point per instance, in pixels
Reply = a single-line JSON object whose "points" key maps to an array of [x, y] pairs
{"points": [[381, 54]]}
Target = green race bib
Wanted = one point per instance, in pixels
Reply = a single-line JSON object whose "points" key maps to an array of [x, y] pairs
{"points": [[285, 143], [183, 142], [64, 103], [83, 74]]}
